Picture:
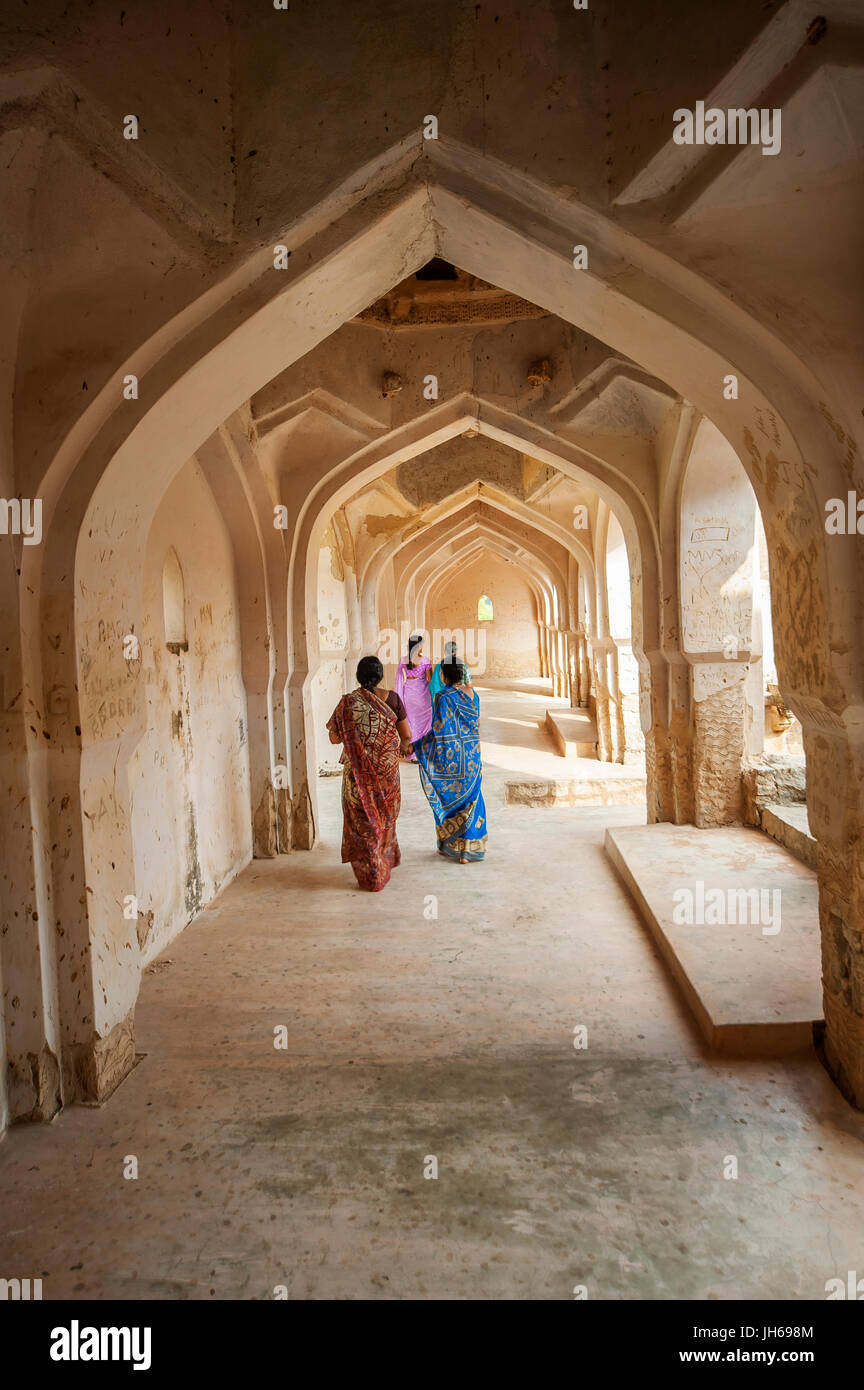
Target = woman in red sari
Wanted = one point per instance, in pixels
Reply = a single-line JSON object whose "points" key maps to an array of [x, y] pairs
{"points": [[371, 723]]}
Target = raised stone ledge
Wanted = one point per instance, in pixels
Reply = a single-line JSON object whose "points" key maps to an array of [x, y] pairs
{"points": [[578, 791], [751, 994], [572, 731], [789, 826]]}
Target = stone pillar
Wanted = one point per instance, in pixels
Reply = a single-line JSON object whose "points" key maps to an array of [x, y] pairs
{"points": [[30, 1081], [573, 680], [698, 746], [92, 733], [720, 740], [666, 722], [355, 628], [265, 836], [632, 738], [835, 776], [304, 794], [282, 772], [584, 669], [556, 662], [602, 702], [611, 665]]}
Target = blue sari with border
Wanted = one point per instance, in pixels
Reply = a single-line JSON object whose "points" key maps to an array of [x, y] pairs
{"points": [[451, 773]]}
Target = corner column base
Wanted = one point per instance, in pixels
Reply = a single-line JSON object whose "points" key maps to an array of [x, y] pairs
{"points": [[33, 1086], [96, 1068]]}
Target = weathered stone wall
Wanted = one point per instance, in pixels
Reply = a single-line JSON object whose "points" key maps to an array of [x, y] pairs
{"points": [[773, 778], [718, 754]]}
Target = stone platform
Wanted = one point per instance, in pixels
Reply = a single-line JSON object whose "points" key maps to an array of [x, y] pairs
{"points": [[753, 990]]}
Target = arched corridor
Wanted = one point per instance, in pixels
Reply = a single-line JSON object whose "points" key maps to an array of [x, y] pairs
{"points": [[316, 377], [409, 1034]]}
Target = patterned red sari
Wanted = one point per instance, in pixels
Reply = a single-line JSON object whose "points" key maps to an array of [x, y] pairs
{"points": [[371, 795]]}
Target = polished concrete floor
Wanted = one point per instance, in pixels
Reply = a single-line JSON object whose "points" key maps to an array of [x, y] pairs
{"points": [[411, 1036]]}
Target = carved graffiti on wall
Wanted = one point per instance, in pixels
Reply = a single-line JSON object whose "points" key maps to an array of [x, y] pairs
{"points": [[716, 587]]}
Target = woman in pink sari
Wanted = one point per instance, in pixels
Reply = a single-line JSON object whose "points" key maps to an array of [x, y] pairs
{"points": [[412, 687]]}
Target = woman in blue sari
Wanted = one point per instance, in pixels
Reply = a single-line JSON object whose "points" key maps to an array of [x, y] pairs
{"points": [[436, 682], [451, 770]]}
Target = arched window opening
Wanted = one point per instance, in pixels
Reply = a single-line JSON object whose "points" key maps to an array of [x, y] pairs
{"points": [[485, 612], [174, 604], [618, 582]]}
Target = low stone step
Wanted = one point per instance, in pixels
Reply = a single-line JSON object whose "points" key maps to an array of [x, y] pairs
{"points": [[789, 826], [572, 732], [577, 791]]}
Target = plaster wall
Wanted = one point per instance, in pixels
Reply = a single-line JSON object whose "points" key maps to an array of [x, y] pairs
{"points": [[390, 628], [511, 638], [718, 537], [328, 687], [189, 774], [328, 682], [332, 612]]}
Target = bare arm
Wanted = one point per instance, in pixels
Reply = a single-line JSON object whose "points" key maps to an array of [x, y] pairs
{"points": [[403, 729]]}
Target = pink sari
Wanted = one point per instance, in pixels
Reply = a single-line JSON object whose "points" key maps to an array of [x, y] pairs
{"points": [[412, 687]]}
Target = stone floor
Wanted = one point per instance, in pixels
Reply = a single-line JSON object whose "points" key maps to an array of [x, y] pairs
{"points": [[410, 1036], [517, 742]]}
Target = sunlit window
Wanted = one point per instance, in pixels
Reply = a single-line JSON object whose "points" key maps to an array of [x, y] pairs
{"points": [[484, 609]]}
